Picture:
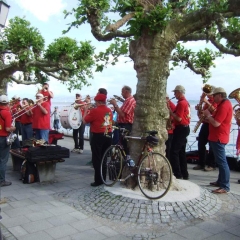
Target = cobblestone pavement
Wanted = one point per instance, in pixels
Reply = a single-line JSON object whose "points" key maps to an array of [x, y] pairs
{"points": [[153, 218]]}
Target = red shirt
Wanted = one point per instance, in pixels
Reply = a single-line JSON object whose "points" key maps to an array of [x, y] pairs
{"points": [[183, 111], [128, 108], [16, 109], [100, 119], [223, 115], [5, 120], [41, 120], [26, 118], [46, 94], [81, 108], [172, 107]]}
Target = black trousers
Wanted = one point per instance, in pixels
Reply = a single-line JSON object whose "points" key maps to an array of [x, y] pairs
{"points": [[78, 137], [128, 126], [178, 151], [99, 144], [168, 144], [204, 158]]}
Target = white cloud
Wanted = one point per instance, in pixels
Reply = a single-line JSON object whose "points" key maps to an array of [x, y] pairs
{"points": [[43, 9]]}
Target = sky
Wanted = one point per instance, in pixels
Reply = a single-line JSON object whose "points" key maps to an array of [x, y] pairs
{"points": [[48, 17]]}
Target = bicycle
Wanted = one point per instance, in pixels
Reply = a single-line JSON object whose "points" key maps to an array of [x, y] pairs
{"points": [[154, 172]]}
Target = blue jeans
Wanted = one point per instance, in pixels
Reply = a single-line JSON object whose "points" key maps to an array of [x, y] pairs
{"points": [[4, 154], [220, 157], [27, 132], [42, 134]]}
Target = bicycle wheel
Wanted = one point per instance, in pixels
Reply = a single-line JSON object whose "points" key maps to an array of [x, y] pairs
{"points": [[111, 165], [154, 175]]}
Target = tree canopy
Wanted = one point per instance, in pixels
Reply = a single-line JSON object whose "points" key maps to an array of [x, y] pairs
{"points": [[123, 21], [23, 50]]}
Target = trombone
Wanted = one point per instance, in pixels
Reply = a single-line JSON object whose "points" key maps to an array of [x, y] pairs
{"points": [[20, 112]]}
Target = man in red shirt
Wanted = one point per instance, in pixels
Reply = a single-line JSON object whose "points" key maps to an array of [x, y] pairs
{"points": [[125, 113], [26, 120], [219, 132], [5, 129], [170, 126], [46, 92], [205, 158], [15, 109], [181, 118], [100, 119], [41, 118]]}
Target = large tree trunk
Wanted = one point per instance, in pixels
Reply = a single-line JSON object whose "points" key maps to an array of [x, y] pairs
{"points": [[3, 87], [151, 54]]}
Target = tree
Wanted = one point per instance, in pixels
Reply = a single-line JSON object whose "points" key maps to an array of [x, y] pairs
{"points": [[22, 50], [152, 32]]}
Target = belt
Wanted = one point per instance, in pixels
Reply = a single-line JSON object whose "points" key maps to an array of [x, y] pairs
{"points": [[25, 124], [181, 126]]}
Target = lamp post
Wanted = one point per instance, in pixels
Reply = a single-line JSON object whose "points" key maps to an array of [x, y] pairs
{"points": [[4, 8]]}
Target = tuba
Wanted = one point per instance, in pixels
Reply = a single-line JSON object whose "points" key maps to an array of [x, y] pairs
{"points": [[207, 89], [236, 94]]}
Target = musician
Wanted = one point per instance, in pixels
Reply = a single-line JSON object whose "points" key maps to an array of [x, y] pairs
{"points": [[205, 158], [219, 132], [100, 119], [46, 92], [181, 118], [5, 128], [41, 118], [15, 109], [125, 113], [171, 106], [78, 134], [26, 120]]}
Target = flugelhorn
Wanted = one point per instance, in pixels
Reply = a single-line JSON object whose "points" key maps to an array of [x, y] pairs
{"points": [[76, 105], [236, 95]]}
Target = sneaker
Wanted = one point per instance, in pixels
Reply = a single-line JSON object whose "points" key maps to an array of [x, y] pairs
{"points": [[5, 183], [198, 167], [80, 151], [75, 150], [208, 169]]}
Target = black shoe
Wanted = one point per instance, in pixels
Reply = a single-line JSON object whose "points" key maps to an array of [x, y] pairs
{"points": [[94, 184]]}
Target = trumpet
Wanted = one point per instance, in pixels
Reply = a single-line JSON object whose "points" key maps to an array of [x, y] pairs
{"points": [[76, 105], [119, 98]]}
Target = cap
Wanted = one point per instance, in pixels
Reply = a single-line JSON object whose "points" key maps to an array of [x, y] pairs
{"points": [[218, 90], [167, 95], [16, 97], [39, 95], [78, 94], [179, 88], [100, 97], [4, 99], [45, 84]]}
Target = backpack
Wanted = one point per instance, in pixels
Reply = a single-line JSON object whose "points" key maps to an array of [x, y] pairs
{"points": [[29, 172]]}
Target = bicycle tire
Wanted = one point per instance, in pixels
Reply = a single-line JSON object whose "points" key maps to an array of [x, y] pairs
{"points": [[112, 163], [154, 176]]}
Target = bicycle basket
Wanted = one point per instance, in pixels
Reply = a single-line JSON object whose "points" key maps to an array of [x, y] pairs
{"points": [[153, 140]]}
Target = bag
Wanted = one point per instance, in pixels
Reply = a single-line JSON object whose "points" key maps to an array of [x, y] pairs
{"points": [[29, 172]]}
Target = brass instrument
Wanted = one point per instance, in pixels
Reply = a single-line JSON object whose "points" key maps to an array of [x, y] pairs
{"points": [[236, 94], [207, 89], [119, 98], [76, 105]]}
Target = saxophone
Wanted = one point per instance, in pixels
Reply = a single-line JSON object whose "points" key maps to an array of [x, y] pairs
{"points": [[206, 90]]}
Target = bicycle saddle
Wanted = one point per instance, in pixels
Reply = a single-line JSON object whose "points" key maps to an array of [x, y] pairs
{"points": [[153, 132]]}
